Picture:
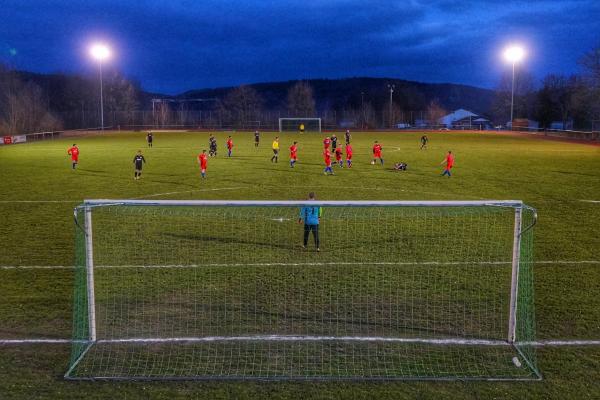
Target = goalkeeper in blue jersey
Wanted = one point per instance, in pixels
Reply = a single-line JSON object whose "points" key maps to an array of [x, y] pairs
{"points": [[311, 215]]}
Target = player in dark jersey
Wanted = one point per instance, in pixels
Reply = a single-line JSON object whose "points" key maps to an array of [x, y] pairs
{"points": [[138, 161], [212, 146], [149, 138], [348, 136], [333, 143], [424, 140], [256, 138]]}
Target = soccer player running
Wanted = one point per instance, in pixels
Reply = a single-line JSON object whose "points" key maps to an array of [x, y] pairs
{"points": [[202, 160], [138, 161], [326, 142], [349, 155], [256, 138], [229, 146], [275, 147], [424, 140], [338, 157], [449, 160], [333, 143], [293, 154], [311, 215], [348, 136], [377, 153], [149, 138], [327, 158], [74, 153]]}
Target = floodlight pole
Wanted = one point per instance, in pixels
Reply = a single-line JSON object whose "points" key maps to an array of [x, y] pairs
{"points": [[101, 97], [512, 98], [391, 87]]}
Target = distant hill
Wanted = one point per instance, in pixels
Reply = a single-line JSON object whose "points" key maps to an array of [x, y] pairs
{"points": [[337, 94]]}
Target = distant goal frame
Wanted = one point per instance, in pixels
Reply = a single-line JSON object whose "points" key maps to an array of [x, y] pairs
{"points": [[300, 120]]}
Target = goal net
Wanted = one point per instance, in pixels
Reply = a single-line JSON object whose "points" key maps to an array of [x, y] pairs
{"points": [[226, 290], [294, 124]]}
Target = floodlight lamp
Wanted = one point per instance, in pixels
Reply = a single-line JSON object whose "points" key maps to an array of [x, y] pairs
{"points": [[100, 52], [514, 54]]}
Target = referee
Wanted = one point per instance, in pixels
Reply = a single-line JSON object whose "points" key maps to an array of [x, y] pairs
{"points": [[311, 215]]}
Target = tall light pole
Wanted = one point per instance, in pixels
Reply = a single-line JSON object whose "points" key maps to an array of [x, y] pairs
{"points": [[513, 54], [391, 87], [362, 108], [100, 52]]}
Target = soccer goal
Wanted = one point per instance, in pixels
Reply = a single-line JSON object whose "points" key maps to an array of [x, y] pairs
{"points": [[293, 124], [435, 290]]}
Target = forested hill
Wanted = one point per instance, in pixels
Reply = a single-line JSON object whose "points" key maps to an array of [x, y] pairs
{"points": [[338, 94]]}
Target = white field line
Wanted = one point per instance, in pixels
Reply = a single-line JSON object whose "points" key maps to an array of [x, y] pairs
{"points": [[303, 338], [434, 263], [590, 201]]}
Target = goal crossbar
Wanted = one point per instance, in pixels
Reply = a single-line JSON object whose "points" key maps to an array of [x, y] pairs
{"points": [[302, 203]]}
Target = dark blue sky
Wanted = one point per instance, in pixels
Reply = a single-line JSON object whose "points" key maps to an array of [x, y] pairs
{"points": [[176, 45]]}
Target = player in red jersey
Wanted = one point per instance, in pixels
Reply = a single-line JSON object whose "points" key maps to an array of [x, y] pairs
{"points": [[229, 146], [449, 160], [377, 152], [338, 157], [202, 160], [327, 158], [293, 151], [74, 153], [349, 155], [326, 142]]}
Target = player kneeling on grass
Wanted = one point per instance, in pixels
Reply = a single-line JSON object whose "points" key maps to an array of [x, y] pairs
{"points": [[74, 153], [377, 153], [293, 151], [138, 161], [400, 166], [449, 160], [311, 215], [202, 160], [338, 157]]}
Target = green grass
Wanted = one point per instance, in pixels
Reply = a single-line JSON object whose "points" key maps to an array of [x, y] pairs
{"points": [[551, 176]]}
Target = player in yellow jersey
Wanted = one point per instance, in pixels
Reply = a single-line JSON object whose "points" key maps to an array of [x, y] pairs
{"points": [[301, 128], [275, 149]]}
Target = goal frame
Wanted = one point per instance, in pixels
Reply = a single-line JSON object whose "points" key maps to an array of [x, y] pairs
{"points": [[517, 205], [300, 120]]}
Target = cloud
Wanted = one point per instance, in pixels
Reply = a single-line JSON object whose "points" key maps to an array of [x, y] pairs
{"points": [[173, 46]]}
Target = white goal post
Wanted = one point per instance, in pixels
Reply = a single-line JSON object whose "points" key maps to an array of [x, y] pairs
{"points": [[293, 124], [203, 289]]}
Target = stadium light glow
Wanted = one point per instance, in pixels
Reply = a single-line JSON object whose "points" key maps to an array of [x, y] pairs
{"points": [[514, 54], [100, 52]]}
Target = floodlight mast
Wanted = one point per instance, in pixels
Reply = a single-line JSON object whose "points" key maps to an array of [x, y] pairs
{"points": [[100, 52], [513, 54]]}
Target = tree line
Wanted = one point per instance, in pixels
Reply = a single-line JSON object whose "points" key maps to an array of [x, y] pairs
{"points": [[33, 102]]}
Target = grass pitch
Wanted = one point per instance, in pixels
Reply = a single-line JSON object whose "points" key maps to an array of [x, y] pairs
{"points": [[39, 190]]}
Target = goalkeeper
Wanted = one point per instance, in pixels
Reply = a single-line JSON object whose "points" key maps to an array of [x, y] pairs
{"points": [[311, 216]]}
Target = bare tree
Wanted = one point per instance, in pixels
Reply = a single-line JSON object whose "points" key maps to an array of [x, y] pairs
{"points": [[300, 100], [435, 112], [241, 106]]}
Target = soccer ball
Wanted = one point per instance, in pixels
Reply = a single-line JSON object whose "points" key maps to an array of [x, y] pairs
{"points": [[372, 162]]}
